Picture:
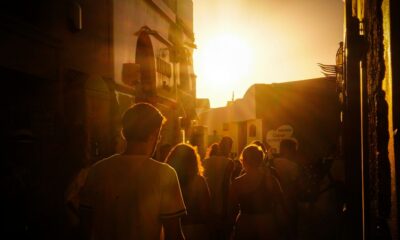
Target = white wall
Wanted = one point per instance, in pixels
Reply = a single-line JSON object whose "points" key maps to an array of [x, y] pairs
{"points": [[258, 124]]}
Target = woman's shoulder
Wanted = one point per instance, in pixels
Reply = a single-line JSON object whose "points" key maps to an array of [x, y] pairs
{"points": [[200, 185]]}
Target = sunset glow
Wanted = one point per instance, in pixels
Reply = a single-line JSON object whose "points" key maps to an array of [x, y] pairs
{"points": [[241, 43], [224, 60]]}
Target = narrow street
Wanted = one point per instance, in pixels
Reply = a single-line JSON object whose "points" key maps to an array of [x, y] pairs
{"points": [[211, 119]]}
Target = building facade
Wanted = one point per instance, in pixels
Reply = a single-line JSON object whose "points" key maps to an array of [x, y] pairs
{"points": [[272, 112], [69, 69], [56, 67], [370, 109], [153, 45]]}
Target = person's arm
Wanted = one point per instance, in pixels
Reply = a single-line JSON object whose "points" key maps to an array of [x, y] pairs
{"points": [[172, 206], [172, 229]]}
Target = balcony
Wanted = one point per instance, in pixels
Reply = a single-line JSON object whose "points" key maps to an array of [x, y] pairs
{"points": [[178, 12]]}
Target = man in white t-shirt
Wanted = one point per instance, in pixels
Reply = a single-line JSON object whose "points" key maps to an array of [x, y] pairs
{"points": [[130, 195]]}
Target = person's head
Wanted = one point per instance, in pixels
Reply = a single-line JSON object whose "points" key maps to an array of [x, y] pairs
{"points": [[141, 123], [252, 157], [185, 160], [213, 150], [287, 147], [260, 144], [225, 146]]}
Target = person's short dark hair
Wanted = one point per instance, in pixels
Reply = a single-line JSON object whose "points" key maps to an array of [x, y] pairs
{"points": [[252, 155], [140, 121], [287, 145], [225, 146]]}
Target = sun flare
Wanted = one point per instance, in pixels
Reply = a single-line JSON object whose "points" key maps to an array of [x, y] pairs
{"points": [[223, 61]]}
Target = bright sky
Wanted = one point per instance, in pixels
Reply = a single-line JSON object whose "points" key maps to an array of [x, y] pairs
{"points": [[242, 42]]}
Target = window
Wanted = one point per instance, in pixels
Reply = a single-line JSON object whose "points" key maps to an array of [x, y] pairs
{"points": [[164, 68]]}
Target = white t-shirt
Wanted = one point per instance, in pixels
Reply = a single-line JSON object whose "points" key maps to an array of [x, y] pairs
{"points": [[130, 196]]}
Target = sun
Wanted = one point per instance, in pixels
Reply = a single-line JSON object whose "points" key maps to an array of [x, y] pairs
{"points": [[222, 62]]}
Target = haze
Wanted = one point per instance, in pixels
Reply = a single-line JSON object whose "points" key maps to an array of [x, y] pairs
{"points": [[242, 42]]}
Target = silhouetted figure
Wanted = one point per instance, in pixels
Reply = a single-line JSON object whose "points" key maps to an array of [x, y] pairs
{"points": [[218, 172], [212, 150], [322, 200], [263, 148], [254, 197], [237, 166], [130, 195], [186, 161], [268, 162], [288, 172]]}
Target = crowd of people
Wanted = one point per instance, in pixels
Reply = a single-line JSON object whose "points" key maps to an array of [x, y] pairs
{"points": [[257, 196]]}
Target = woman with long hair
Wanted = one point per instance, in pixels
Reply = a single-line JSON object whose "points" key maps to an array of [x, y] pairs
{"points": [[186, 162]]}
